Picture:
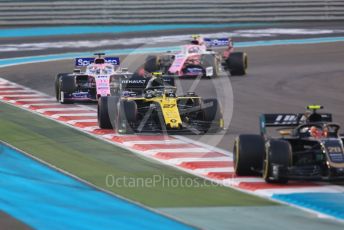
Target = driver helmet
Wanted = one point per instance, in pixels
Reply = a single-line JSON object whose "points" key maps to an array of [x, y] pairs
{"points": [[141, 72], [317, 132], [156, 74], [196, 40], [156, 80], [314, 117], [325, 131], [194, 49]]}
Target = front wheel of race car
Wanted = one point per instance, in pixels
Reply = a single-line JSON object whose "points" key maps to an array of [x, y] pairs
{"points": [[278, 155], [212, 113], [66, 85], [57, 85], [107, 112], [127, 115], [248, 153], [211, 65], [237, 63]]}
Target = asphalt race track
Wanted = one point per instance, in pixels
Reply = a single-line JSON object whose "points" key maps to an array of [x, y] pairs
{"points": [[280, 79]]}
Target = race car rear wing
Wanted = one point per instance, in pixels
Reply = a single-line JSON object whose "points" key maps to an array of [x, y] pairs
{"points": [[217, 42], [82, 62], [289, 120]]}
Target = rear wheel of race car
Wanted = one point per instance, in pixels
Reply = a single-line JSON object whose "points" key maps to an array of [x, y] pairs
{"points": [[107, 112], [210, 61], [127, 115], [278, 153], [248, 154], [212, 112], [237, 63], [151, 64]]}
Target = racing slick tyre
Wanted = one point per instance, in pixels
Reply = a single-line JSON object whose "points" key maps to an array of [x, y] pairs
{"points": [[237, 63], [151, 64], [57, 85], [212, 113], [68, 84], [278, 154], [211, 109], [210, 61], [127, 114], [107, 112], [248, 154], [130, 109]]}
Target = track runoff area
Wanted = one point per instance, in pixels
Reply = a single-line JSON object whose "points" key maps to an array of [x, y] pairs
{"points": [[191, 156], [91, 207]]}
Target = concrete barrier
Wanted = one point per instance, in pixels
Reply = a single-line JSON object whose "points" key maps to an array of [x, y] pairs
{"points": [[39, 12]]}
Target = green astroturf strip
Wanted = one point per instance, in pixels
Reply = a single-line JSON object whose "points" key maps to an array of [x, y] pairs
{"points": [[94, 160]]}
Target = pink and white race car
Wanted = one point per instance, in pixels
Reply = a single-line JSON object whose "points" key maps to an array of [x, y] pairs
{"points": [[197, 58], [100, 78]]}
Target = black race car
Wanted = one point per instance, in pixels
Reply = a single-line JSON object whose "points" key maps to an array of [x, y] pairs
{"points": [[309, 148]]}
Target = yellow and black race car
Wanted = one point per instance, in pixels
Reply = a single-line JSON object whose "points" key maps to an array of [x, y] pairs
{"points": [[151, 105]]}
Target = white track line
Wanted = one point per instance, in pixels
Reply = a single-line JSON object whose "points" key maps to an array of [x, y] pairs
{"points": [[109, 136], [73, 122], [214, 170], [237, 181], [9, 87], [16, 91], [73, 115], [310, 189], [206, 146], [90, 128], [16, 95], [167, 142], [60, 109], [179, 150], [33, 99], [24, 97], [39, 104], [197, 159]]}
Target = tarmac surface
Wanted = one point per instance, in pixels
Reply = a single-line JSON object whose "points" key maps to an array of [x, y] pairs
{"points": [[283, 78]]}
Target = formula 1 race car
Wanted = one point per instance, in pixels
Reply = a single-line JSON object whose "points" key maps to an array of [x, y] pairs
{"points": [[309, 148], [148, 107], [198, 59], [99, 79]]}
